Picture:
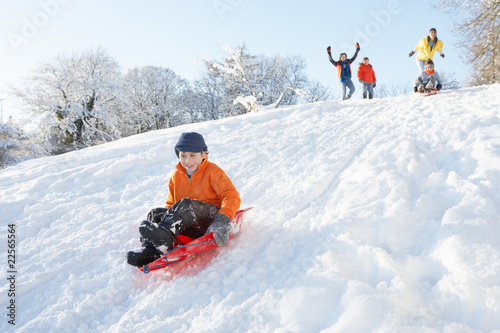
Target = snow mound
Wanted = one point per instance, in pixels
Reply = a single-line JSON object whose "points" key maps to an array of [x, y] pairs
{"points": [[369, 216]]}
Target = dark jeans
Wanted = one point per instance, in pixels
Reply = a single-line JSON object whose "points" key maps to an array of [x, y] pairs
{"points": [[196, 217], [348, 83]]}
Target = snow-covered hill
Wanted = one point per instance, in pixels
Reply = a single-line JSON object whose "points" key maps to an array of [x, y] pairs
{"points": [[369, 216]]}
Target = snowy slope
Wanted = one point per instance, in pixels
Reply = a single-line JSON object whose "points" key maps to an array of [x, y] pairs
{"points": [[369, 216]]}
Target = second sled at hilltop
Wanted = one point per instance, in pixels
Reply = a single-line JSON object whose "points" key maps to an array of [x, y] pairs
{"points": [[429, 93]]}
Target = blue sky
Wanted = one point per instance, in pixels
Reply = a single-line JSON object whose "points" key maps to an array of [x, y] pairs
{"points": [[174, 33]]}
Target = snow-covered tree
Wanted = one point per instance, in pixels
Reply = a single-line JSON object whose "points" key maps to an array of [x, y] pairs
{"points": [[245, 82], [8, 145], [14, 145], [77, 99], [478, 28], [154, 98], [235, 77]]}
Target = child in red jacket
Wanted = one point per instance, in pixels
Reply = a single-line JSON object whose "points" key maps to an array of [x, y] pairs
{"points": [[366, 77]]}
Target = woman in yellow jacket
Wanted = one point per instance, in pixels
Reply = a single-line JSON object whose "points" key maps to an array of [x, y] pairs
{"points": [[427, 46], [201, 198]]}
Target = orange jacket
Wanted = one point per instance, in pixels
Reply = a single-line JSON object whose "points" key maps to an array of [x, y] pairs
{"points": [[339, 63], [339, 69], [208, 184], [366, 73]]}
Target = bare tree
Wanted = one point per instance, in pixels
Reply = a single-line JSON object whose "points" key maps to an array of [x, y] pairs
{"points": [[393, 89], [479, 31], [207, 96], [449, 81], [316, 92]]}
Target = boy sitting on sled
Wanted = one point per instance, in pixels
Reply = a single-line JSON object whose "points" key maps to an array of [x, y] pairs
{"points": [[428, 79], [201, 199]]}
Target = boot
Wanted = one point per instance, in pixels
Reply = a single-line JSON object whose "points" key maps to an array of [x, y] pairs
{"points": [[159, 234], [370, 96], [364, 95], [421, 89], [144, 256], [347, 97], [431, 84]]}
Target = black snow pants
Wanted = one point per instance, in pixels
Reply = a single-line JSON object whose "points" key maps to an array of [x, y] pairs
{"points": [[196, 217]]}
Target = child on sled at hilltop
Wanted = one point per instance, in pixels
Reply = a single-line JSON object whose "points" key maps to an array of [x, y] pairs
{"points": [[366, 77], [428, 79], [344, 71], [201, 199]]}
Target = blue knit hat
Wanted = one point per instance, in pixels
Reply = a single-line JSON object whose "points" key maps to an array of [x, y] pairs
{"points": [[190, 142]]}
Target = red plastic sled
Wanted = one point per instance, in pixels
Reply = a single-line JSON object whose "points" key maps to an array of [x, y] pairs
{"points": [[428, 93], [187, 247]]}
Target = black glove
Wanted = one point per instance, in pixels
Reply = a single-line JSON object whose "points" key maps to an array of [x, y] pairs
{"points": [[439, 86], [412, 53], [415, 89], [442, 55], [357, 46], [329, 49], [374, 84], [220, 227], [361, 81]]}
